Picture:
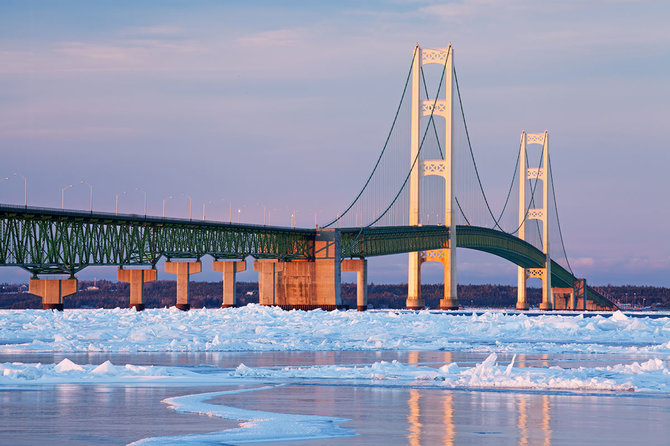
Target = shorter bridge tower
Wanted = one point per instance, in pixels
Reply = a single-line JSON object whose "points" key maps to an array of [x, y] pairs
{"points": [[528, 213]]}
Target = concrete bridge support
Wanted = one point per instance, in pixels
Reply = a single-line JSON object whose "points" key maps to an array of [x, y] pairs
{"points": [[136, 279], [444, 256], [580, 294], [183, 270], [361, 268], [229, 270], [304, 284], [563, 298], [52, 291]]}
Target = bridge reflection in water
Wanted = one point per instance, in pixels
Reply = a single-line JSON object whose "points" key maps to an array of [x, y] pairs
{"points": [[432, 415]]}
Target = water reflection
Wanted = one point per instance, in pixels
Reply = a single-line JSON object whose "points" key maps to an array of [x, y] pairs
{"points": [[414, 435], [449, 428], [522, 424], [432, 412], [546, 420]]}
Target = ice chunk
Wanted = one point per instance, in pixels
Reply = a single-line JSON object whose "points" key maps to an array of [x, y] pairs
{"points": [[106, 368], [68, 366]]}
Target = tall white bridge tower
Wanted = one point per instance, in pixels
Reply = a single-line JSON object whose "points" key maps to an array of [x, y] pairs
{"points": [[441, 167]]}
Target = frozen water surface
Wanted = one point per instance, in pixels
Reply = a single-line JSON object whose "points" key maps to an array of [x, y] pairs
{"points": [[262, 375]]}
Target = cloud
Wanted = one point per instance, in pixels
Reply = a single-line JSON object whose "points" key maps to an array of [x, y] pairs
{"points": [[277, 37], [81, 50], [157, 30], [69, 134]]}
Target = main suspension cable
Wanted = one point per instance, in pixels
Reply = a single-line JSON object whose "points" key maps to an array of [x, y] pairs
{"points": [[425, 133], [558, 220], [395, 119]]}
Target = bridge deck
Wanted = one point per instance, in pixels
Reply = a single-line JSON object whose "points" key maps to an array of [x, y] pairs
{"points": [[55, 241]]}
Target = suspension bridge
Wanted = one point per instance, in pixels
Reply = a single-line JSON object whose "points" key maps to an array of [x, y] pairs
{"points": [[423, 196]]}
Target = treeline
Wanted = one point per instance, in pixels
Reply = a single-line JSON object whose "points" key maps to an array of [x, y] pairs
{"points": [[162, 293]]}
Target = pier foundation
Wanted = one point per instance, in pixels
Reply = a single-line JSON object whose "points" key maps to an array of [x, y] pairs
{"points": [[229, 270], [52, 291], [183, 270], [360, 266], [136, 278]]}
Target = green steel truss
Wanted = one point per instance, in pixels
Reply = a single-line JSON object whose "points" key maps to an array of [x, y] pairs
{"points": [[48, 241], [385, 240], [54, 241]]}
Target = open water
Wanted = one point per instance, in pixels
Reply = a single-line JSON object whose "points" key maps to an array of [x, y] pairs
{"points": [[364, 413]]}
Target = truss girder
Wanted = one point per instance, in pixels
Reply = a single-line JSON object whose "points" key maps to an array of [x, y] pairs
{"points": [[46, 241]]}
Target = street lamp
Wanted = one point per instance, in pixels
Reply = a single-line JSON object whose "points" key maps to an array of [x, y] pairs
{"points": [[164, 199], [3, 179], [239, 212], [90, 187], [62, 196], [117, 202], [190, 201], [25, 189], [230, 210], [145, 199], [264, 212]]}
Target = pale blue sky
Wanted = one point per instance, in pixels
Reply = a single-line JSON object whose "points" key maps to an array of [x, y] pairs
{"points": [[287, 103]]}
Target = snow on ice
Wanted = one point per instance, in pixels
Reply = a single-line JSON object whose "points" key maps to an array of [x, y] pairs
{"points": [[257, 328]]}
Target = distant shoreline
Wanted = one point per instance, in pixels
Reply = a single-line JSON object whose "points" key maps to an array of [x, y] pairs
{"points": [[161, 293]]}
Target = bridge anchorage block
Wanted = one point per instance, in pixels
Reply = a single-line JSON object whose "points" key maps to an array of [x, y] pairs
{"points": [[136, 278], [183, 270], [304, 284], [229, 270], [52, 291]]}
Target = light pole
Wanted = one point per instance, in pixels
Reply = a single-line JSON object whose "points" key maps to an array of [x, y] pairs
{"points": [[3, 179], [230, 210], [25, 188], [62, 196], [264, 213], [270, 215], [145, 199], [117, 202], [239, 212], [91, 188], [203, 208], [164, 199], [190, 201]]}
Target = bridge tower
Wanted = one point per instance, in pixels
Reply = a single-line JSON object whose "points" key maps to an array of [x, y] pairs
{"points": [[441, 167], [526, 214]]}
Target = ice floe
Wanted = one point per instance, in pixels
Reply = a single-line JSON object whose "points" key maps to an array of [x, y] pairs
{"points": [[647, 376], [258, 328]]}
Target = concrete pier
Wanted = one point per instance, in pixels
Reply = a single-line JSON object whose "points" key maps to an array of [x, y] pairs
{"points": [[304, 284], [229, 270], [183, 270], [563, 298], [52, 291], [136, 278], [360, 266]]}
